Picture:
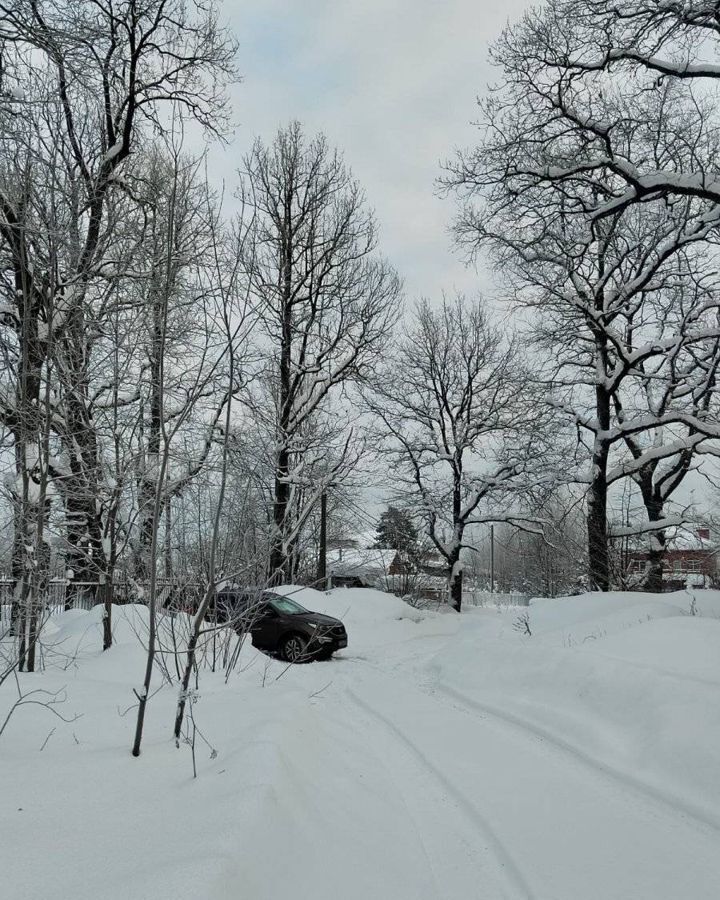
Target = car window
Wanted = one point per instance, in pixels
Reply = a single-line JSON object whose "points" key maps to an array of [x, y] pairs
{"points": [[286, 605], [240, 603]]}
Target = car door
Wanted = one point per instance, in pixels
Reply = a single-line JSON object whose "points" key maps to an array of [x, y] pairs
{"points": [[266, 628]]}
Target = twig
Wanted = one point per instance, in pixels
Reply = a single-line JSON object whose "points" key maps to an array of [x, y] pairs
{"points": [[44, 743], [317, 693]]}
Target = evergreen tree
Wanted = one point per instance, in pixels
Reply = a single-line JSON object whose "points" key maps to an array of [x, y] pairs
{"points": [[396, 531]]}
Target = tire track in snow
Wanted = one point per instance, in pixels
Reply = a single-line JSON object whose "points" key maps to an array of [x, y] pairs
{"points": [[509, 870], [667, 801], [437, 882]]}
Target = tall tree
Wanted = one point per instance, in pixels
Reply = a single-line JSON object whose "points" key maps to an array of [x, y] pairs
{"points": [[326, 303], [90, 76], [616, 302], [227, 317], [457, 415]]}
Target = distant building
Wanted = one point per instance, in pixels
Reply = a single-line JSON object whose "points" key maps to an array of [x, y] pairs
{"points": [[355, 567], [387, 570], [690, 560], [425, 578]]}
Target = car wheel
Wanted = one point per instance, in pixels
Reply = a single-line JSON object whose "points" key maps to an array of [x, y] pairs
{"points": [[294, 648]]}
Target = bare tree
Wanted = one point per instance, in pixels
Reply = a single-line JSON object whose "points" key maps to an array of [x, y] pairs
{"points": [[567, 61], [326, 303], [236, 320], [222, 288], [684, 377], [461, 434], [30, 253], [89, 77], [548, 563], [616, 301], [174, 268]]}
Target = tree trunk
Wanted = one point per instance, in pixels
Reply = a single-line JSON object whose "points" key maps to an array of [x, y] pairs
{"points": [[656, 550], [210, 597], [278, 570], [189, 663], [456, 579], [26, 435], [656, 556], [456, 588], [598, 557], [86, 555], [107, 612], [322, 550], [148, 481], [597, 530]]}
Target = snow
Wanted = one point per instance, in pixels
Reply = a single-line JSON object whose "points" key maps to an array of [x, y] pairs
{"points": [[112, 152], [438, 757], [686, 648], [372, 562]]}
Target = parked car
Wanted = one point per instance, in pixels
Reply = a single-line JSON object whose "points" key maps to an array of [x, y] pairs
{"points": [[280, 626]]}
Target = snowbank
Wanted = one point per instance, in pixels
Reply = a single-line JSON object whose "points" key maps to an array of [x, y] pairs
{"points": [[364, 606], [628, 681], [355, 606], [439, 756]]}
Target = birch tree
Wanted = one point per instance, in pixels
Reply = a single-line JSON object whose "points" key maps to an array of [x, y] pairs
{"points": [[92, 76], [172, 287], [236, 320], [230, 321]]}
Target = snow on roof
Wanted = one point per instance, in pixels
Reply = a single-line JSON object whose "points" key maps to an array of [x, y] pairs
{"points": [[680, 537], [691, 538], [356, 561]]}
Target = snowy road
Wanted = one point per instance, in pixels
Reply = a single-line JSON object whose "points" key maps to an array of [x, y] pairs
{"points": [[435, 759], [501, 812]]}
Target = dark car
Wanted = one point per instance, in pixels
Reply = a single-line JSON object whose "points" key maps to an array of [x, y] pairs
{"points": [[280, 626]]}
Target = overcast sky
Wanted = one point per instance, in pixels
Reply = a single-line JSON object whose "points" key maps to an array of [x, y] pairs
{"points": [[393, 84]]}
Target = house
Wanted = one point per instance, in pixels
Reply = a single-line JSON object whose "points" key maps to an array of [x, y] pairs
{"points": [[426, 578], [357, 567], [690, 560], [387, 570]]}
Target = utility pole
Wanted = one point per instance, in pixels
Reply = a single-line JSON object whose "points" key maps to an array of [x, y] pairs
{"points": [[322, 557], [492, 559]]}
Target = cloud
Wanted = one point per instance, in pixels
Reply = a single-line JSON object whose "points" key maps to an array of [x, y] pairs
{"points": [[392, 83]]}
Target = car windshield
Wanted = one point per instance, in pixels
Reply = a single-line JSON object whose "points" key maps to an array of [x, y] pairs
{"points": [[286, 605]]}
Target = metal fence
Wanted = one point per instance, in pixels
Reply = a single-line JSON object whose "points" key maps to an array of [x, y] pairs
{"points": [[495, 598], [173, 595], [60, 593]]}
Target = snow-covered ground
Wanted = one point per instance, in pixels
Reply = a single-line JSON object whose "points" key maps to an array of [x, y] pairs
{"points": [[439, 756]]}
